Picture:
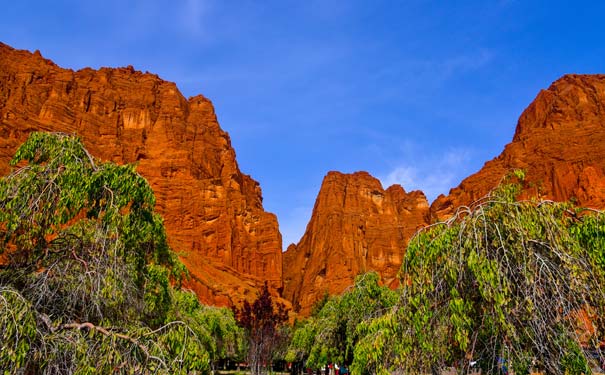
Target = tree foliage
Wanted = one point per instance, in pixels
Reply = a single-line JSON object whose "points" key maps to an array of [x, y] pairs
{"points": [[331, 333], [86, 273], [262, 321], [509, 281], [215, 327]]}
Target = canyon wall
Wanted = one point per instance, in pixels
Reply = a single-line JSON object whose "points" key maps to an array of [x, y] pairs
{"points": [[559, 142], [356, 226], [213, 212]]}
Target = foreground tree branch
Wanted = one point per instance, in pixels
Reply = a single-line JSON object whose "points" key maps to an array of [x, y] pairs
{"points": [[108, 332], [83, 250]]}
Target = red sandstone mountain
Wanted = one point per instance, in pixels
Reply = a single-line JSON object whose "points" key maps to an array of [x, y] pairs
{"points": [[212, 211], [559, 142], [356, 227]]}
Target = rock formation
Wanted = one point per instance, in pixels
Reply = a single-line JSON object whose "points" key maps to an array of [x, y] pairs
{"points": [[356, 226], [559, 142], [213, 212]]}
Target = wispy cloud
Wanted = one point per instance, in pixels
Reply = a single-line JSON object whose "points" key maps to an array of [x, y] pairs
{"points": [[193, 14], [436, 69], [464, 63], [433, 175]]}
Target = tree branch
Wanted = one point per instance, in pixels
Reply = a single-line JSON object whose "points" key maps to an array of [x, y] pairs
{"points": [[107, 332]]}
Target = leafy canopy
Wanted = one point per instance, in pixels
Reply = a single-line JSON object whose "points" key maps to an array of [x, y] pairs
{"points": [[331, 333], [509, 281], [86, 273], [262, 322]]}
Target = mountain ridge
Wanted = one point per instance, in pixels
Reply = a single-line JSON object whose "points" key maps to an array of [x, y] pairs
{"points": [[214, 213], [559, 142]]}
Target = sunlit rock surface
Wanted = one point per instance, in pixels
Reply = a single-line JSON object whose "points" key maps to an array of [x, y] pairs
{"points": [[356, 227], [213, 212]]}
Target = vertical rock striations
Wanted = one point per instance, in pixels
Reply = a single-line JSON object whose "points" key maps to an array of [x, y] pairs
{"points": [[212, 211], [356, 226]]}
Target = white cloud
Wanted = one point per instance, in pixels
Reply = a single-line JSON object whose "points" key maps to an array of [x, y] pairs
{"points": [[433, 174], [403, 175], [427, 78], [464, 63]]}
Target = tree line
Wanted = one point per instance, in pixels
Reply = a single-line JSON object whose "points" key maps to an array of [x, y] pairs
{"points": [[88, 284]]}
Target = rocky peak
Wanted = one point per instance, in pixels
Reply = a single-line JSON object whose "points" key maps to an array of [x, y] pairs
{"points": [[213, 212], [356, 227], [559, 142]]}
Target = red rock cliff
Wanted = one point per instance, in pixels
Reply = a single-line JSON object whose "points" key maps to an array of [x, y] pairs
{"points": [[356, 227], [212, 211], [559, 142]]}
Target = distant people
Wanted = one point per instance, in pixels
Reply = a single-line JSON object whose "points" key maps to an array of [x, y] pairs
{"points": [[331, 369], [503, 366], [344, 370], [336, 369]]}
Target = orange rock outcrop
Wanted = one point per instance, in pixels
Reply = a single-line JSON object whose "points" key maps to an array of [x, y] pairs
{"points": [[356, 227], [559, 142], [213, 212]]}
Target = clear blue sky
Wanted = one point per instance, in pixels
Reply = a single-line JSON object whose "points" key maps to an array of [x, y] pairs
{"points": [[420, 93]]}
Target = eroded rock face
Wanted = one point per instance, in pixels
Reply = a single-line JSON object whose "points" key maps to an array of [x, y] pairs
{"points": [[212, 211], [356, 227], [559, 142]]}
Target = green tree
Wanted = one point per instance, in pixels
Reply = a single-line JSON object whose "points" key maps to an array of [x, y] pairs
{"points": [[215, 327], [505, 280], [86, 273], [331, 333]]}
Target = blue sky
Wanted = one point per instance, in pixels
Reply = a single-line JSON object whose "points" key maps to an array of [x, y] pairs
{"points": [[416, 92]]}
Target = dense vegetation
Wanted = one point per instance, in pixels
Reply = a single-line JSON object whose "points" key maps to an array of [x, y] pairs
{"points": [[330, 334], [505, 284], [88, 283]]}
